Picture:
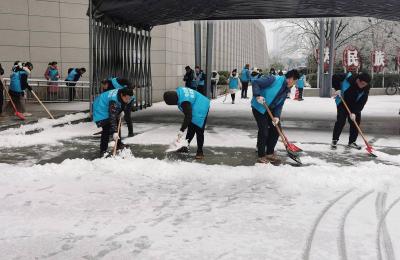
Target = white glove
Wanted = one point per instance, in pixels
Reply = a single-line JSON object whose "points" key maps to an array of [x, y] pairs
{"points": [[275, 121], [179, 135], [260, 99], [353, 117], [122, 114], [115, 137], [338, 93]]}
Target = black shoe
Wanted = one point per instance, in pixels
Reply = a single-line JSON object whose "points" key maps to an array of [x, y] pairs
{"points": [[334, 144], [131, 135], [102, 154], [354, 145]]}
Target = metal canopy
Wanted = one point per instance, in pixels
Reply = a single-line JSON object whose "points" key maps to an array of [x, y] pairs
{"points": [[145, 14]]}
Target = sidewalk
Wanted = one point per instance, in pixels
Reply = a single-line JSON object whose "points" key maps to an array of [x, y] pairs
{"points": [[37, 111]]}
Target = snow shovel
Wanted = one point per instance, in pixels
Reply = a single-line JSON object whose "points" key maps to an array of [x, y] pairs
{"points": [[289, 147], [17, 114], [292, 146], [369, 148], [45, 108], [118, 130]]}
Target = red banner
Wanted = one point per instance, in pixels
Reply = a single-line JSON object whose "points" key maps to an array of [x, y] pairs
{"points": [[351, 58]]}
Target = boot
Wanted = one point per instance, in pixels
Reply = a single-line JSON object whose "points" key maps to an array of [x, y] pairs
{"points": [[354, 145], [274, 159], [199, 155], [263, 160], [334, 144]]}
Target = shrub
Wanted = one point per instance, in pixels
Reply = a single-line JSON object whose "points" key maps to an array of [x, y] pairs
{"points": [[223, 77]]}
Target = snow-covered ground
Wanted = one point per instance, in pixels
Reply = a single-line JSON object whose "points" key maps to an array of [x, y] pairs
{"points": [[141, 208]]}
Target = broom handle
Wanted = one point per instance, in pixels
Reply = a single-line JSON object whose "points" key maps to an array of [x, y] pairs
{"points": [[354, 121], [116, 142], [37, 98]]}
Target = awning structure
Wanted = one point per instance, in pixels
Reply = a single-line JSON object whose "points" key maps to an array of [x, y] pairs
{"points": [[145, 14]]}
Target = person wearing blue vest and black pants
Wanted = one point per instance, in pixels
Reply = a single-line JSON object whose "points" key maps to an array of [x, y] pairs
{"points": [[200, 77], [271, 90], [106, 111], [245, 78], [355, 90], [300, 86], [18, 85], [119, 83], [233, 84], [195, 106], [74, 75]]}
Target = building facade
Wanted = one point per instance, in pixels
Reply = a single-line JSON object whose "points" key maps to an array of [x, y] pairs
{"points": [[42, 31]]}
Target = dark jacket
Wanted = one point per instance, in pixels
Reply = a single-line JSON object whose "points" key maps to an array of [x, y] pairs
{"points": [[188, 78], [354, 97]]}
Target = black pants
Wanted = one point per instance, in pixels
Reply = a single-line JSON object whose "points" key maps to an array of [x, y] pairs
{"points": [[71, 91], [213, 90], [300, 93], [128, 120], [267, 134], [245, 86], [199, 131], [105, 135], [233, 97], [342, 115]]}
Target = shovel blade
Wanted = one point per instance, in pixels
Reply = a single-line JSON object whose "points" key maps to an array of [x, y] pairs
{"points": [[19, 115], [370, 150], [294, 148], [292, 155]]}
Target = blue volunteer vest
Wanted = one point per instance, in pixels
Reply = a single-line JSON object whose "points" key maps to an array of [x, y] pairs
{"points": [[300, 82], [200, 104], [344, 87], [53, 74], [116, 85], [71, 75], [15, 81], [233, 82], [101, 105], [243, 75], [269, 93]]}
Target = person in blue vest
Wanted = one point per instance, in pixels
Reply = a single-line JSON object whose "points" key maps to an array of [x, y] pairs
{"points": [[195, 107], [300, 86], [107, 108], [52, 75], [18, 85], [354, 89], [245, 78], [272, 91], [119, 83], [233, 84], [255, 74], [74, 74], [200, 77]]}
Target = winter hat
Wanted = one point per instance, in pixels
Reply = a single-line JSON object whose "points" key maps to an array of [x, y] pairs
{"points": [[171, 98], [255, 70]]}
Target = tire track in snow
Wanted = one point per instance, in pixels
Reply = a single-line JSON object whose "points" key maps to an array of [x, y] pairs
{"points": [[387, 242], [342, 235], [379, 227], [307, 250]]}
